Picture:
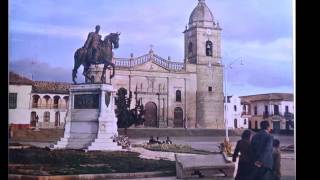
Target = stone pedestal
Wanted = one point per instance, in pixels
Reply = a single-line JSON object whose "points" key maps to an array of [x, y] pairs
{"points": [[91, 122], [95, 73]]}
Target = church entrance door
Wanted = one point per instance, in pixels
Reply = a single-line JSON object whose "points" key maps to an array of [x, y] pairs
{"points": [[150, 115], [178, 117]]}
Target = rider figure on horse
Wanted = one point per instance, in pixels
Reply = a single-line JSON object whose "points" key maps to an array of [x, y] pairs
{"points": [[96, 51], [92, 44]]}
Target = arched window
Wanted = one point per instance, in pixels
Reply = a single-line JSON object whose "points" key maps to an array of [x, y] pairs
{"points": [[46, 116], [245, 121], [35, 101], [66, 100], [190, 49], [235, 123], [56, 101], [178, 96], [208, 48], [235, 108], [47, 98]]}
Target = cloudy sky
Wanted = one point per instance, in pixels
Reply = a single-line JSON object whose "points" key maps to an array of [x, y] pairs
{"points": [[43, 36]]}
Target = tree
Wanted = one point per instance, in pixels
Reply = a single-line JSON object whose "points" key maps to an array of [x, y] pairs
{"points": [[126, 116]]}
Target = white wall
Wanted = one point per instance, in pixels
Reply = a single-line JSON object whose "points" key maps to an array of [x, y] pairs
{"points": [[52, 111], [20, 115], [232, 114], [40, 113], [283, 107], [260, 105]]}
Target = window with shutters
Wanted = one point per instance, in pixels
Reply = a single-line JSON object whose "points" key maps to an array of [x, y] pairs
{"points": [[13, 100]]}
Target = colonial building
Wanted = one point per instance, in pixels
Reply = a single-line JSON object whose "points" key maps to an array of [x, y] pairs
{"points": [[277, 108], [234, 113], [187, 94], [37, 103]]}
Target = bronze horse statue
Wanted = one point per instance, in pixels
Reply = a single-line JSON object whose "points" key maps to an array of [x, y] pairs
{"points": [[104, 56]]}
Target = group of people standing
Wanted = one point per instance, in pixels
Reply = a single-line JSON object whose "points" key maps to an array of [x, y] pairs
{"points": [[153, 141], [259, 155]]}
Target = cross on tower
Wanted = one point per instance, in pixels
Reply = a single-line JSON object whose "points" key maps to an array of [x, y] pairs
{"points": [[151, 50]]}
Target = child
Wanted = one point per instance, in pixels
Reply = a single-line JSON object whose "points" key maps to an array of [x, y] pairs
{"points": [[244, 165], [276, 160]]}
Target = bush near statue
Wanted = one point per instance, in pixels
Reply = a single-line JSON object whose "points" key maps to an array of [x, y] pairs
{"points": [[126, 116]]}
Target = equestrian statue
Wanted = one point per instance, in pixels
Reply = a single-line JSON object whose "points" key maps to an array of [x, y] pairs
{"points": [[96, 51]]}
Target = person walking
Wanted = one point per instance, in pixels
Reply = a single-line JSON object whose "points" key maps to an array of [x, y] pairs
{"points": [[262, 148], [276, 168], [244, 164]]}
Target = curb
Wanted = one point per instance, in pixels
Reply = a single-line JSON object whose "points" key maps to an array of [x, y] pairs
{"points": [[95, 176]]}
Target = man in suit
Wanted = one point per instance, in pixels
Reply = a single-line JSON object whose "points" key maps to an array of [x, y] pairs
{"points": [[262, 147]]}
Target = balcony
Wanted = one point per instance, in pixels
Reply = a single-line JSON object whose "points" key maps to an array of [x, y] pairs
{"points": [[288, 116], [245, 113], [49, 106], [34, 105]]}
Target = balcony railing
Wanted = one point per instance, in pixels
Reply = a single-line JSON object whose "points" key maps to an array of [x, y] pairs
{"points": [[245, 113], [126, 62], [49, 106]]}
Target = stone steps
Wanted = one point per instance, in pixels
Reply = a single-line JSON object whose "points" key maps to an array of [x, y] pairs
{"points": [[78, 145]]}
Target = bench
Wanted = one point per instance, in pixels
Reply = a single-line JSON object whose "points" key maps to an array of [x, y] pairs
{"points": [[188, 166]]}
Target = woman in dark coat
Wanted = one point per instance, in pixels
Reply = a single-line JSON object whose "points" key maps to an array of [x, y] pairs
{"points": [[245, 164]]}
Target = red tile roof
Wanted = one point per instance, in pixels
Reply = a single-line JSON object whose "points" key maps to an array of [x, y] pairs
{"points": [[17, 79], [40, 86], [267, 97], [51, 87]]}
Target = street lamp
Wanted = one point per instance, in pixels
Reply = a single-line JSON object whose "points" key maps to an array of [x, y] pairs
{"points": [[225, 66]]}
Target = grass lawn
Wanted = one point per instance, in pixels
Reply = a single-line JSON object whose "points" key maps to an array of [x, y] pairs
{"points": [[37, 161]]}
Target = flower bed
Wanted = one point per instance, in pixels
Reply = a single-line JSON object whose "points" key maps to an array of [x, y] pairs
{"points": [[176, 148]]}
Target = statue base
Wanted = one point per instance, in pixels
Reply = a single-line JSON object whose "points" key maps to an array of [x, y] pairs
{"points": [[95, 73], [91, 122]]}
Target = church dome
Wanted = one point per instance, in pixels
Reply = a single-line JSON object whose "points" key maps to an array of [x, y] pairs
{"points": [[201, 15]]}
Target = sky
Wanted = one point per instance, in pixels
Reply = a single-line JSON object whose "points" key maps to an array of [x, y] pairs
{"points": [[43, 36]]}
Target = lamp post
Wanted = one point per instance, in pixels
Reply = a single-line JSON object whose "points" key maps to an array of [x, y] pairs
{"points": [[226, 66]]}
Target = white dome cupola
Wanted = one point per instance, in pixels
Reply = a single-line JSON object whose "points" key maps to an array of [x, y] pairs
{"points": [[201, 16]]}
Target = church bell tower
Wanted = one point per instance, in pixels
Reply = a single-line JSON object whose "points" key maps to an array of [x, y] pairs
{"points": [[202, 48]]}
